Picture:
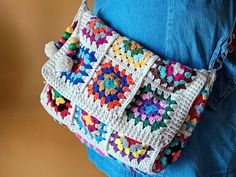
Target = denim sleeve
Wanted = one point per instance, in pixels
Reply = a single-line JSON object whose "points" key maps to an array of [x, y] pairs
{"points": [[193, 32]]}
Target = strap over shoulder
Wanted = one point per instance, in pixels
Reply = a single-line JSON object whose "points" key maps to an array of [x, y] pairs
{"points": [[231, 46]]}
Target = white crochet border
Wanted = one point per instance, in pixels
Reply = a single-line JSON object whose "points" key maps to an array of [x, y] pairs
{"points": [[103, 145]]}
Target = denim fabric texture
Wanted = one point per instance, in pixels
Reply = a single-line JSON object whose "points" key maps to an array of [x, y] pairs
{"points": [[193, 32]]}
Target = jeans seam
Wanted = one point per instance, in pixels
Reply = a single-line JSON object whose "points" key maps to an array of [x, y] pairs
{"points": [[168, 25]]}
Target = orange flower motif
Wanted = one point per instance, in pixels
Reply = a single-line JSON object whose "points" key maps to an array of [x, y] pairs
{"points": [[110, 85]]}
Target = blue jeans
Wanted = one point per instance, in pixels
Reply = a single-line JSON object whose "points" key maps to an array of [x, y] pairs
{"points": [[193, 32]]}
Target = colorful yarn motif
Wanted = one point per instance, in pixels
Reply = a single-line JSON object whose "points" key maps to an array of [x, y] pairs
{"points": [[131, 52], [82, 63], [173, 75], [110, 85], [90, 124], [150, 108], [171, 152], [96, 31], [195, 112], [60, 104], [129, 147]]}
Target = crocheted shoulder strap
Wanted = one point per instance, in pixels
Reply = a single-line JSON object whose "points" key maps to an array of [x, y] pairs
{"points": [[84, 7], [231, 46], [85, 2]]}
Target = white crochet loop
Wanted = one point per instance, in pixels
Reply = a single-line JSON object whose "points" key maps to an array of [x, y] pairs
{"points": [[50, 49], [64, 64]]}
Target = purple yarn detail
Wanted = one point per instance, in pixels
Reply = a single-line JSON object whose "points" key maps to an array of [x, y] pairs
{"points": [[96, 31], [132, 144]]}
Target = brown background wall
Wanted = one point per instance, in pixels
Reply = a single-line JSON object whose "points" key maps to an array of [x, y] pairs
{"points": [[31, 143]]}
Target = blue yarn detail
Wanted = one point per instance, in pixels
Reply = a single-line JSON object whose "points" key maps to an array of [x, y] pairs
{"points": [[83, 60], [109, 83], [98, 138], [199, 109], [169, 79], [187, 74], [77, 117], [162, 70]]}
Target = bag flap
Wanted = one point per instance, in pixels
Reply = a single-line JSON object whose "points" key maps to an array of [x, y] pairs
{"points": [[124, 85]]}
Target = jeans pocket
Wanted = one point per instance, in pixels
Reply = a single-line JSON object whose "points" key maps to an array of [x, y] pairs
{"points": [[224, 85], [225, 82]]}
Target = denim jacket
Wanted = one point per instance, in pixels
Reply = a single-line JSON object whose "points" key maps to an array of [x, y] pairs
{"points": [[193, 32]]}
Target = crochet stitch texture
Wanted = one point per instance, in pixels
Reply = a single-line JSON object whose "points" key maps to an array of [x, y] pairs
{"points": [[121, 99]]}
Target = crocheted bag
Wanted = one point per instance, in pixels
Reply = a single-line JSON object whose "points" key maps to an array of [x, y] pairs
{"points": [[120, 98]]}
